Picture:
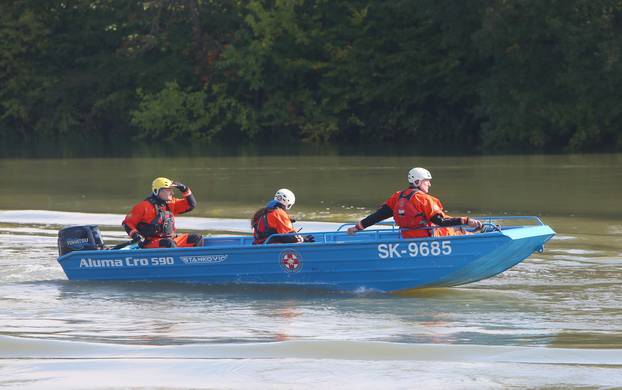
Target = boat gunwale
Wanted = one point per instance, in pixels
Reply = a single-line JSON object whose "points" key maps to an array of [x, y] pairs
{"points": [[326, 244]]}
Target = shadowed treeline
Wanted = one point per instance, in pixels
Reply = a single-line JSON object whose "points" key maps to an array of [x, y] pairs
{"points": [[484, 75]]}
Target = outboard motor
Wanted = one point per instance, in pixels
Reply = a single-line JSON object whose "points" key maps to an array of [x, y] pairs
{"points": [[79, 238]]}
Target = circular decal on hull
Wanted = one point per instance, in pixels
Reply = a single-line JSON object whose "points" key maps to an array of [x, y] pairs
{"points": [[291, 261]]}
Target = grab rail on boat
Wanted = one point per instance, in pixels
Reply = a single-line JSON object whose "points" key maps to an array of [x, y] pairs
{"points": [[488, 219], [391, 224], [393, 227], [315, 235], [513, 217], [322, 237]]}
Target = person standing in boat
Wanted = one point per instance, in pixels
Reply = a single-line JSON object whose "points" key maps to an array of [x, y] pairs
{"points": [[417, 211], [152, 221], [273, 219]]}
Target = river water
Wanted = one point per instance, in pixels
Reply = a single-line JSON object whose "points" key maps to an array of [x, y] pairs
{"points": [[553, 321]]}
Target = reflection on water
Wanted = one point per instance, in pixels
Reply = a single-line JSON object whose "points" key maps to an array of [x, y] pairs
{"points": [[564, 297], [562, 300], [552, 321], [305, 373], [330, 187]]}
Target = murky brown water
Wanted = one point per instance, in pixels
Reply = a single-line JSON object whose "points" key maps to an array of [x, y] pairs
{"points": [[555, 320]]}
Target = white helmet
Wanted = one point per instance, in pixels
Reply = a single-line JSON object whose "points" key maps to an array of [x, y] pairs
{"points": [[417, 174], [285, 197]]}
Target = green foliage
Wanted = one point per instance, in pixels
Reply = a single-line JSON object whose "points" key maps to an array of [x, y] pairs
{"points": [[173, 113], [485, 75], [170, 113], [21, 36], [554, 75]]}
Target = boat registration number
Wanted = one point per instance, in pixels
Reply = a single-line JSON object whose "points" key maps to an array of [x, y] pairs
{"points": [[414, 249]]}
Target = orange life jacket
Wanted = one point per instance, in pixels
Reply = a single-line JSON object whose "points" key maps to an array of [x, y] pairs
{"points": [[161, 225], [261, 227], [408, 216], [271, 220]]}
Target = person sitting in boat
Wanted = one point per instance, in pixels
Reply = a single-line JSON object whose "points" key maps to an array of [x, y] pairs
{"points": [[415, 210], [273, 219], [151, 222]]}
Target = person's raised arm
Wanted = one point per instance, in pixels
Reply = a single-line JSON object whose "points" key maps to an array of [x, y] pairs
{"points": [[188, 203]]}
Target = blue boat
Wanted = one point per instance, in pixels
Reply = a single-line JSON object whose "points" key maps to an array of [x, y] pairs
{"points": [[371, 260]]}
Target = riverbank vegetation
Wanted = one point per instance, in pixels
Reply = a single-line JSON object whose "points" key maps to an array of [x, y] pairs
{"points": [[484, 75]]}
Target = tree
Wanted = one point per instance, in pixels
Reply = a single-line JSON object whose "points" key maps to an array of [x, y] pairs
{"points": [[554, 76]]}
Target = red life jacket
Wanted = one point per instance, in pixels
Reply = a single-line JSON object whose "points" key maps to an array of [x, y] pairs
{"points": [[163, 223], [407, 216], [261, 227]]}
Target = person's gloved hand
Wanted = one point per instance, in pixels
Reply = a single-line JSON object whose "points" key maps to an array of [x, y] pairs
{"points": [[354, 229], [181, 187], [309, 238], [474, 223], [137, 237]]}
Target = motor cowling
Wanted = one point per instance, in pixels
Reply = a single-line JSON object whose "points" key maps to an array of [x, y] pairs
{"points": [[79, 238]]}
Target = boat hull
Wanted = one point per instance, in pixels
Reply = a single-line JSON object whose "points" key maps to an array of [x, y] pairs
{"points": [[377, 260]]}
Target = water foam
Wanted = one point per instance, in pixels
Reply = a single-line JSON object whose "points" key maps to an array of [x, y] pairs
{"points": [[23, 348]]}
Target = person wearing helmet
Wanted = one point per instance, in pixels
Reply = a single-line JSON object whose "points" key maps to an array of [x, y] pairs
{"points": [[416, 211], [273, 219], [151, 222]]}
